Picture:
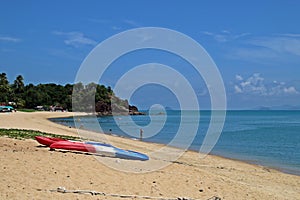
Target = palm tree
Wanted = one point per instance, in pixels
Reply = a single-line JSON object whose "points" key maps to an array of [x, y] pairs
{"points": [[18, 85], [5, 90]]}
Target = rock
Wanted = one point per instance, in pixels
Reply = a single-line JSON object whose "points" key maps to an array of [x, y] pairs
{"points": [[117, 106]]}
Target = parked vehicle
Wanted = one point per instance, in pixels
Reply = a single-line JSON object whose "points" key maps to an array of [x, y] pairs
{"points": [[7, 109]]}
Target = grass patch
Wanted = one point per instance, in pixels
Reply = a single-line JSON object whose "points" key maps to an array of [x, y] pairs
{"points": [[30, 134]]}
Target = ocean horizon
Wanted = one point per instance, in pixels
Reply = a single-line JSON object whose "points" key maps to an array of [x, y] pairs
{"points": [[269, 138]]}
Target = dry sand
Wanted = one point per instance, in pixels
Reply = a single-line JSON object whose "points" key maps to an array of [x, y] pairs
{"points": [[29, 171]]}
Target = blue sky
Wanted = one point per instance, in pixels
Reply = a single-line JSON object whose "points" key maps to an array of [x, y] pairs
{"points": [[255, 44]]}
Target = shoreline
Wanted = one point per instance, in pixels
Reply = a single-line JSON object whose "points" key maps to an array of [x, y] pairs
{"points": [[252, 162], [189, 176]]}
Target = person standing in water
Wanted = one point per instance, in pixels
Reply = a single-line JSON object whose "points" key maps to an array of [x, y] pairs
{"points": [[141, 134]]}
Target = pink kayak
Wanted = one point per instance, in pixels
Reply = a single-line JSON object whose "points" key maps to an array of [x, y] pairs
{"points": [[47, 140]]}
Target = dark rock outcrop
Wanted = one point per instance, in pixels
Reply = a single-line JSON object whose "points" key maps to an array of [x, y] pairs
{"points": [[133, 110], [116, 106]]}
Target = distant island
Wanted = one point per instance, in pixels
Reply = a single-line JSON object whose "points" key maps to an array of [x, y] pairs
{"points": [[54, 97], [280, 107]]}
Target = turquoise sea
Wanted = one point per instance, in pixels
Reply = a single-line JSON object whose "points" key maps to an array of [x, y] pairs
{"points": [[268, 138]]}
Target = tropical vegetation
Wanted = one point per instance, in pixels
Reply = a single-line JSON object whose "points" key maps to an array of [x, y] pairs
{"points": [[46, 96]]}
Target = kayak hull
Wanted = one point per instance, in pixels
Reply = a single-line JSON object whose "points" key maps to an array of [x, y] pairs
{"points": [[73, 146], [99, 148], [47, 140], [92, 147]]}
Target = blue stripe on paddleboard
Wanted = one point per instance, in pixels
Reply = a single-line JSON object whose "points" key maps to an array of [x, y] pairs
{"points": [[121, 153]]}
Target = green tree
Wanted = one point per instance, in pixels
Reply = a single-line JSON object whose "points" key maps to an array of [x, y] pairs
{"points": [[18, 88], [5, 89], [78, 95], [67, 102], [18, 85], [33, 96]]}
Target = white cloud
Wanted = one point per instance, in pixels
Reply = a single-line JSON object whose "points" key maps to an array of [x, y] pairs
{"points": [[75, 39], [291, 90], [9, 39], [224, 36], [131, 23], [252, 54], [280, 44], [116, 28], [262, 49], [256, 85], [238, 77], [289, 35], [266, 50], [237, 89]]}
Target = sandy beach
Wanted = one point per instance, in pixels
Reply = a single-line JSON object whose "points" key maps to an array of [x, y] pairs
{"points": [[30, 171]]}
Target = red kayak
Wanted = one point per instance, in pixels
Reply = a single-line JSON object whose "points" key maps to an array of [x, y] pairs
{"points": [[99, 148], [48, 140], [92, 147], [73, 146], [64, 144]]}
